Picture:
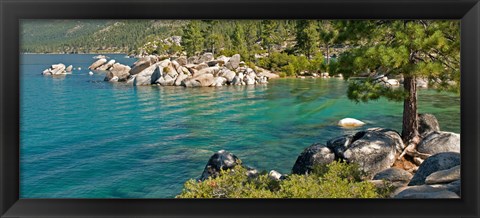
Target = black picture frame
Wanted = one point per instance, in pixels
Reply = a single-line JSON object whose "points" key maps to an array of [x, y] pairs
{"points": [[11, 11]]}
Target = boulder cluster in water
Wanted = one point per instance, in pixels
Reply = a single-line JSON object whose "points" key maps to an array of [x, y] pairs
{"points": [[58, 69], [377, 152], [195, 71]]}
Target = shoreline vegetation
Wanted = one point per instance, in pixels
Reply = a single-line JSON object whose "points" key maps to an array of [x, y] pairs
{"points": [[379, 59], [367, 164]]}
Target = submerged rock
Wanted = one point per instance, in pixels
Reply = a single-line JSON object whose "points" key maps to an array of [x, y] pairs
{"points": [[350, 122]]}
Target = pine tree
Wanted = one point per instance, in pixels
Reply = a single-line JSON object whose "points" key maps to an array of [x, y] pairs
{"points": [[238, 39], [267, 32], [251, 37], [328, 35], [412, 49], [192, 40], [213, 38], [307, 37]]}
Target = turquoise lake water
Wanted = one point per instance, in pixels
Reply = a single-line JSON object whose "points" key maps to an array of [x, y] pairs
{"points": [[85, 138]]}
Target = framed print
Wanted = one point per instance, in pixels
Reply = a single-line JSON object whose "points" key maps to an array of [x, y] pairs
{"points": [[236, 108]]}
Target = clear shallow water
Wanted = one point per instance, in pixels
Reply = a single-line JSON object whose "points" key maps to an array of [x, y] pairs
{"points": [[85, 138]]}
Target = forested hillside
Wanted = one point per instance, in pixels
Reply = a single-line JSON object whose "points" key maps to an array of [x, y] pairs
{"points": [[91, 36]]}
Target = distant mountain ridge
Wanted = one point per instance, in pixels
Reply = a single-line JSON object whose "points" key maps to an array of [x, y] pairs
{"points": [[91, 36]]}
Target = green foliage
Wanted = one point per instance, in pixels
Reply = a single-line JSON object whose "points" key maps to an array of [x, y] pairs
{"points": [[239, 40], [307, 37], [367, 89], [289, 70], [92, 36], [317, 63], [267, 32], [193, 40], [420, 48], [292, 65], [275, 61], [336, 180], [282, 74]]}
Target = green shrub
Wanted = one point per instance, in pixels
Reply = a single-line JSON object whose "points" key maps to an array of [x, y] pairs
{"points": [[250, 64], [288, 70], [282, 74], [292, 65], [317, 64], [336, 180]]}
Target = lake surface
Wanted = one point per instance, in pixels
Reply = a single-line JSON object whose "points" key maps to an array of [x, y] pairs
{"points": [[85, 138]]}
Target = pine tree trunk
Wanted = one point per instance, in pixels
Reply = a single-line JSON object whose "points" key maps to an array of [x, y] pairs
{"points": [[410, 121], [328, 54]]}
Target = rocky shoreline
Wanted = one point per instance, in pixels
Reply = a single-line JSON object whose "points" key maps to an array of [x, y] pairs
{"points": [[378, 153], [195, 71], [198, 71]]}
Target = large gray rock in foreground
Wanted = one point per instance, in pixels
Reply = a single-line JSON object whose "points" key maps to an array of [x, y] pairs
{"points": [[311, 156], [339, 144], [444, 176], [426, 191], [221, 160], [438, 142], [427, 123], [374, 149], [455, 187], [394, 175], [438, 162]]}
